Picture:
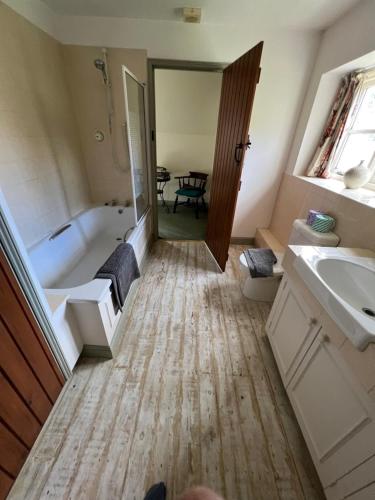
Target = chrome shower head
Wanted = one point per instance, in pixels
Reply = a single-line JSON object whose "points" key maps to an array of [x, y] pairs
{"points": [[100, 65]]}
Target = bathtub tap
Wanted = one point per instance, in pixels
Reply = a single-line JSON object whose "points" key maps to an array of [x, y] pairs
{"points": [[111, 203]]}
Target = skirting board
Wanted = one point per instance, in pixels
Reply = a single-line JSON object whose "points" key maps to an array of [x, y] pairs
{"points": [[96, 351], [238, 240]]}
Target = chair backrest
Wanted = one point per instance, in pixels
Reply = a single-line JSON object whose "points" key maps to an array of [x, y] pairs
{"points": [[197, 179]]}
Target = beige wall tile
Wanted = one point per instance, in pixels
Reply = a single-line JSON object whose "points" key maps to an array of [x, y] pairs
{"points": [[355, 222], [42, 170], [88, 93]]}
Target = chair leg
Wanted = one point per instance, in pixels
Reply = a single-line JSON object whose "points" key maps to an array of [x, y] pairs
{"points": [[197, 208], [175, 205], [204, 203]]}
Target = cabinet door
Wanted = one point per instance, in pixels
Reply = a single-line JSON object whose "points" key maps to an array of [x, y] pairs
{"points": [[360, 481], [291, 329], [334, 412]]}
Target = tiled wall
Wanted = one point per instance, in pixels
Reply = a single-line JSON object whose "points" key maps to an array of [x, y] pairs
{"points": [[88, 92], [41, 166], [355, 222]]}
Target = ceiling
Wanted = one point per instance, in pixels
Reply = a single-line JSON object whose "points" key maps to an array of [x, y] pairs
{"points": [[299, 14]]}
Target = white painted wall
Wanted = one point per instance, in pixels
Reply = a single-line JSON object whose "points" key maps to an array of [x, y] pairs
{"points": [[187, 107], [347, 44]]}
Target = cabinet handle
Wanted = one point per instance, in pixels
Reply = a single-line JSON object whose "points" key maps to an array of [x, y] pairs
{"points": [[324, 338], [313, 322]]}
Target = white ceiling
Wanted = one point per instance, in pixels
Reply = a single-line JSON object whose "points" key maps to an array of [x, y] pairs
{"points": [[299, 14]]}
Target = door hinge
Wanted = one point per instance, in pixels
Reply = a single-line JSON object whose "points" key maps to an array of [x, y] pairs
{"points": [[239, 186], [259, 71], [152, 135]]}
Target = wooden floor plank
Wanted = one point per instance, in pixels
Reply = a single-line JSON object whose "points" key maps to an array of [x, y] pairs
{"points": [[193, 396]]}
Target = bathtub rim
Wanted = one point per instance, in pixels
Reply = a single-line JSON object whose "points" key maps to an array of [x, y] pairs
{"points": [[95, 289]]}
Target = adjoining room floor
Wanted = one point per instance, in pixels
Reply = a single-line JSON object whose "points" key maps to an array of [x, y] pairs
{"points": [[182, 225], [193, 396]]}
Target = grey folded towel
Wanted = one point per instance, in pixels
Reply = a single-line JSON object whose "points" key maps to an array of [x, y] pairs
{"points": [[260, 262], [122, 269]]}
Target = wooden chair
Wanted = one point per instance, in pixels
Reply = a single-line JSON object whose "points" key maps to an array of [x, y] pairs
{"points": [[192, 186], [162, 177]]}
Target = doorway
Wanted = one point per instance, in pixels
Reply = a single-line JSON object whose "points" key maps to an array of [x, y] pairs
{"points": [[239, 82], [184, 109]]}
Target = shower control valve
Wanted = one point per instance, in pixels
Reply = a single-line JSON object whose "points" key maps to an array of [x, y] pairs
{"points": [[99, 136]]}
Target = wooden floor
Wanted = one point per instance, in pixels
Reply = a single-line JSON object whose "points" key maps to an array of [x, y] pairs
{"points": [[192, 397]]}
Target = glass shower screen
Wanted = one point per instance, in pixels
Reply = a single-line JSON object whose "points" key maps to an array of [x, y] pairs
{"points": [[136, 131]]}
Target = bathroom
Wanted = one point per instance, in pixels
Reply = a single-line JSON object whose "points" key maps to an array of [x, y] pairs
{"points": [[196, 380]]}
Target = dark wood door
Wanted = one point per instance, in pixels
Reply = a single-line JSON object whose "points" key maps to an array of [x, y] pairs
{"points": [[30, 380], [236, 102]]}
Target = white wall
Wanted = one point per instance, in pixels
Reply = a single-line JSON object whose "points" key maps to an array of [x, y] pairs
{"points": [[347, 44], [187, 107]]}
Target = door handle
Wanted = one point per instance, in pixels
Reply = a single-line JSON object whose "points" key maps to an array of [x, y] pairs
{"points": [[238, 153], [239, 149]]}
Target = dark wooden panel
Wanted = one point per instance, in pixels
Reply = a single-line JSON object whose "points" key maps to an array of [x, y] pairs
{"points": [[18, 371], [13, 452], [16, 414], [236, 102], [5, 484], [30, 379], [27, 335]]}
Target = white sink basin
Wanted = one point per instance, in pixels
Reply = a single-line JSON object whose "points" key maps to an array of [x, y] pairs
{"points": [[345, 286], [354, 283]]}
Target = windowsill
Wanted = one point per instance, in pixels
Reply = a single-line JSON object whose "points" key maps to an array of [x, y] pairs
{"points": [[362, 195]]}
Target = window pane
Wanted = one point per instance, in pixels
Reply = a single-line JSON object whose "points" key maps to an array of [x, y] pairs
{"points": [[366, 116], [358, 147]]}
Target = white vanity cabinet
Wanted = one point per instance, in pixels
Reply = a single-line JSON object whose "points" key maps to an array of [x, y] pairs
{"points": [[357, 485], [291, 329], [335, 413], [333, 409]]}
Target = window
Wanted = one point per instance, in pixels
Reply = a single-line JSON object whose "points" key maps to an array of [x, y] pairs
{"points": [[358, 139]]}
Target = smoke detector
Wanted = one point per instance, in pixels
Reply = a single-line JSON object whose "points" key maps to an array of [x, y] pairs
{"points": [[192, 14]]}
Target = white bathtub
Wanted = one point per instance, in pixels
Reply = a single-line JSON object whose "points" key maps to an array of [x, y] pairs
{"points": [[66, 265]]}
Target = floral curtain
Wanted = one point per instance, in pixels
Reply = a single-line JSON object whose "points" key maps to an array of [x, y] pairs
{"points": [[334, 126]]}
